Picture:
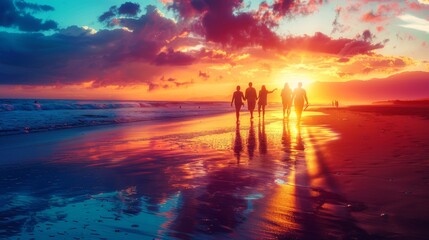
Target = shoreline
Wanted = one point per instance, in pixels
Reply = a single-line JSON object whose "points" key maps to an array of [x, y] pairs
{"points": [[113, 123]]}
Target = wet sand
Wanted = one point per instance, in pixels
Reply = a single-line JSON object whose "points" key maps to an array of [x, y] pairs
{"points": [[382, 161], [342, 175]]}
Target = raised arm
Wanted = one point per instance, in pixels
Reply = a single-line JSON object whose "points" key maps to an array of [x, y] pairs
{"points": [[305, 97], [273, 90]]}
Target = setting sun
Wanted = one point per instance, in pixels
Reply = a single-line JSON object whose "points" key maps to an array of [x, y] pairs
{"points": [[293, 81]]}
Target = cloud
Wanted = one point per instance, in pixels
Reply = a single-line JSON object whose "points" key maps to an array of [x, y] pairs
{"points": [[21, 5], [336, 25], [77, 31], [164, 83], [372, 17], [203, 75], [14, 16], [220, 22], [419, 5], [77, 54], [155, 86], [367, 35], [383, 12], [186, 8], [108, 15], [415, 23], [374, 63], [343, 60], [138, 48], [129, 9], [293, 8], [321, 43], [172, 57]]}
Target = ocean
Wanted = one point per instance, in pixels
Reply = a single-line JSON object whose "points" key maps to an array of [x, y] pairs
{"points": [[21, 116]]}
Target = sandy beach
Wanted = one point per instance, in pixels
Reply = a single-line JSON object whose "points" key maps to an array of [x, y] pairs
{"points": [[343, 174]]}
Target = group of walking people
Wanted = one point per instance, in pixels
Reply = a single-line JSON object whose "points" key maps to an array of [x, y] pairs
{"points": [[298, 96]]}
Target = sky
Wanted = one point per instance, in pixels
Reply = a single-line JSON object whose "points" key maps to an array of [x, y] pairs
{"points": [[201, 49]]}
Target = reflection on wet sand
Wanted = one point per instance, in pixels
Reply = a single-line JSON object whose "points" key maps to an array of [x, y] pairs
{"points": [[262, 137], [251, 141], [286, 137], [180, 186]]}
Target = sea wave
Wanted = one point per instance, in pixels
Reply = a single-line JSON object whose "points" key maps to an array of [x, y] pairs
{"points": [[70, 106], [25, 116], [27, 105]]}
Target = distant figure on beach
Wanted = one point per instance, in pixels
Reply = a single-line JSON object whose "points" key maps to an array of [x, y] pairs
{"points": [[333, 103], [262, 102], [238, 99], [251, 97], [336, 103], [286, 99], [299, 95]]}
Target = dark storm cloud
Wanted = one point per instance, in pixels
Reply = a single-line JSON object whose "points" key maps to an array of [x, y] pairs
{"points": [[128, 9], [221, 23], [76, 54], [15, 16], [22, 5], [283, 6], [108, 14]]}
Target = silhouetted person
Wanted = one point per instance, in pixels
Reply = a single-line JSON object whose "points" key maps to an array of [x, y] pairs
{"points": [[262, 137], [262, 102], [238, 143], [299, 96], [336, 103], [238, 99], [251, 141], [286, 99], [251, 97]]}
